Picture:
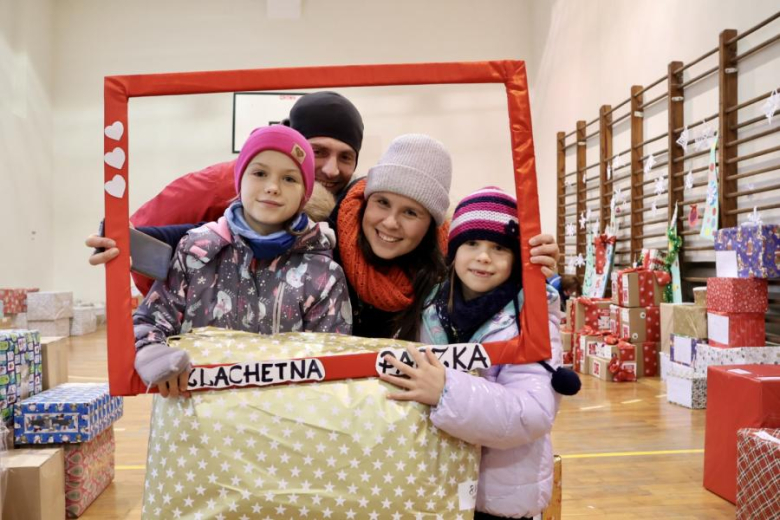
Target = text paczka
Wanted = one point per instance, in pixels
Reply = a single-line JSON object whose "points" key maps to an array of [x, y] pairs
{"points": [[463, 357], [256, 374]]}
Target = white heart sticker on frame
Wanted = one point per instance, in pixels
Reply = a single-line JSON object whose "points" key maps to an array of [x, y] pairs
{"points": [[115, 158], [115, 131], [116, 186]]}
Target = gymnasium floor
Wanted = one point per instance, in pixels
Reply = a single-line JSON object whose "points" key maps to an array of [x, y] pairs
{"points": [[627, 453]]}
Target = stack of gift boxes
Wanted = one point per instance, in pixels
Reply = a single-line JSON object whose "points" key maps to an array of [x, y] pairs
{"points": [[52, 313], [726, 325], [78, 419]]}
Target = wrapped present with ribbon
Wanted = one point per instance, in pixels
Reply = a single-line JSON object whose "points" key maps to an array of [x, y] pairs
{"points": [[640, 324], [642, 288], [682, 319], [616, 362], [20, 369], [69, 413], [748, 251], [737, 295], [49, 305], [758, 473], [736, 329], [592, 313], [654, 260], [329, 449]]}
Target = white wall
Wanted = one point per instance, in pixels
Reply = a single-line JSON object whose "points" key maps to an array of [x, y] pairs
{"points": [[172, 136], [26, 173]]}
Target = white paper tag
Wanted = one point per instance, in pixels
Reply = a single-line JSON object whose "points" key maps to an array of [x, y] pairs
{"points": [[726, 264], [463, 357], [467, 495], [683, 350], [718, 328], [264, 373]]}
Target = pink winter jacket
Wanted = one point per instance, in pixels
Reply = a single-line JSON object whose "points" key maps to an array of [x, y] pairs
{"points": [[509, 411]]}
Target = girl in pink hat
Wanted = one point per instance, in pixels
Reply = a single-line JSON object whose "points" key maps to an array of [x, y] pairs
{"points": [[263, 267]]}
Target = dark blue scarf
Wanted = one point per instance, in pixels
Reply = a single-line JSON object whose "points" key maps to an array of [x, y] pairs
{"points": [[264, 247]]}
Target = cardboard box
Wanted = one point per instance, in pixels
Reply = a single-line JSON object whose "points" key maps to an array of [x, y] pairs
{"points": [[49, 305], [758, 473], [748, 251], [737, 295], [741, 396], [620, 366], [690, 393], [614, 320], [566, 340], [35, 489], [736, 329], [684, 350], [59, 327], [640, 324], [592, 313], [54, 358], [700, 296], [69, 413], [643, 288], [667, 318]]}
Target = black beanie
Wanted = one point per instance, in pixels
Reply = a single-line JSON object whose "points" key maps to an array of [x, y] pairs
{"points": [[327, 114]]}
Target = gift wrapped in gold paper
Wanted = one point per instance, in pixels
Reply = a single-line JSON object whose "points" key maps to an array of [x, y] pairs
{"points": [[334, 449]]}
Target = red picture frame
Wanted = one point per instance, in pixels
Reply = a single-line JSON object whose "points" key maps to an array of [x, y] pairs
{"points": [[533, 344]]}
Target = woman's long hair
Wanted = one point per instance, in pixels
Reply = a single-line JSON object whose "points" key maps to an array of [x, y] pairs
{"points": [[425, 266]]}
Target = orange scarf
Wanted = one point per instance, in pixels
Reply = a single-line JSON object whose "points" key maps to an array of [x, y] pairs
{"points": [[386, 288]]}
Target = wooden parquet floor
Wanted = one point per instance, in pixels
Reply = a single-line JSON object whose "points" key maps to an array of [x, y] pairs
{"points": [[627, 453]]}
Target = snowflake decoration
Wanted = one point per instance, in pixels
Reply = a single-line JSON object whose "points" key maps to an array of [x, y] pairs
{"points": [[689, 180], [755, 217], [579, 261], [617, 162], [649, 163], [571, 229], [583, 220], [770, 107], [660, 185], [683, 139], [706, 137]]}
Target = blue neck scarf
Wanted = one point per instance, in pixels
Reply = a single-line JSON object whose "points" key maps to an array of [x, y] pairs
{"points": [[264, 247]]}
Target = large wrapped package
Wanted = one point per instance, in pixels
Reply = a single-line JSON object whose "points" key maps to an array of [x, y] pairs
{"points": [[591, 313], [14, 300], [69, 413], [737, 295], [89, 469], [34, 484], [748, 251], [20, 369], [758, 474], [49, 305], [705, 356], [50, 328], [335, 449]]}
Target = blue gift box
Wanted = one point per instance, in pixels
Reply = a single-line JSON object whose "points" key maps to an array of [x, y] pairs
{"points": [[20, 369], [68, 413], [754, 248]]}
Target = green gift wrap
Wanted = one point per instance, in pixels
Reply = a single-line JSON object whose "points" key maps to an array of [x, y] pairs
{"points": [[335, 449]]}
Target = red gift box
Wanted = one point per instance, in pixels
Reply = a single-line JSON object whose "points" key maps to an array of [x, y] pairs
{"points": [[640, 324], [738, 396], [728, 330], [15, 300], [641, 288], [590, 313], [758, 474], [737, 295], [614, 320], [648, 367]]}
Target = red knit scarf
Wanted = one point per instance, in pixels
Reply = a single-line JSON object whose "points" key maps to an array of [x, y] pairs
{"points": [[387, 288]]}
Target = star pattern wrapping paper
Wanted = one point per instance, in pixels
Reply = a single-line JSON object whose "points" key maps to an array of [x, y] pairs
{"points": [[337, 449]]}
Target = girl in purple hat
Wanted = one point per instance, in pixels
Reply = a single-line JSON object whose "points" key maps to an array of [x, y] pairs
{"points": [[263, 267]]}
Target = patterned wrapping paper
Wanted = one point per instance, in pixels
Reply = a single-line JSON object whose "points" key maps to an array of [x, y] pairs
{"points": [[617, 363], [89, 469], [84, 321], [736, 329], [737, 295], [336, 449], [647, 363], [670, 368], [591, 312], [20, 369], [690, 393], [69, 413], [707, 356], [15, 300], [640, 324], [49, 305], [641, 288], [689, 320], [617, 287], [59, 327], [755, 248], [758, 474], [700, 296]]}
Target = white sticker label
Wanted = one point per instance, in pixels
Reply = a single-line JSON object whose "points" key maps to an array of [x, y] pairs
{"points": [[256, 374], [726, 264], [463, 357], [718, 328], [467, 495]]}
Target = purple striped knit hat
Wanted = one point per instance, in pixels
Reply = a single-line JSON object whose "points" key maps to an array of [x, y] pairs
{"points": [[486, 214]]}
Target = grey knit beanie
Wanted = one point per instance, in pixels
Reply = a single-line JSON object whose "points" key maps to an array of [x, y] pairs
{"points": [[418, 167]]}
